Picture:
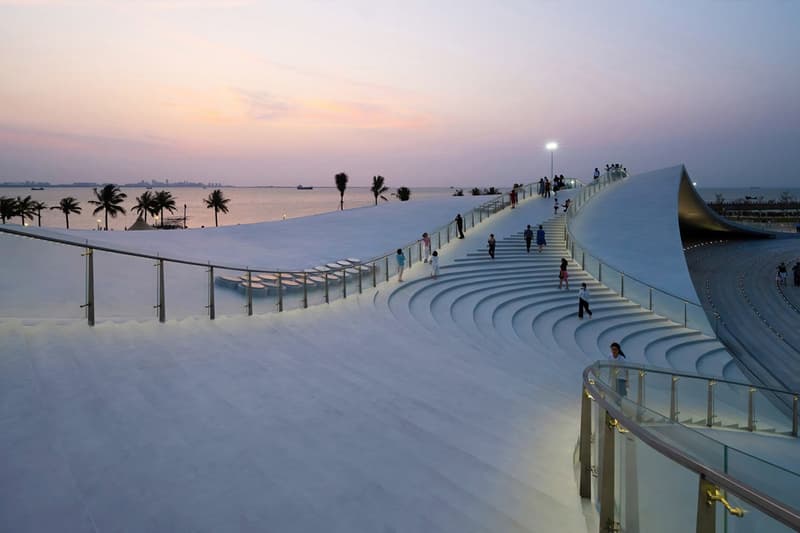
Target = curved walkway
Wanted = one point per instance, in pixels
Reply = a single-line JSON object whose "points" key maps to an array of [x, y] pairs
{"points": [[738, 282]]}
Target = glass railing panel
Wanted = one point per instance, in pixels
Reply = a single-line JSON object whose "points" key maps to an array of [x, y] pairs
{"points": [[657, 389], [612, 278], [696, 318], [591, 264], [124, 286], [669, 306], [692, 401], [637, 291], [655, 494], [33, 287], [753, 519], [230, 295], [185, 290], [292, 284], [731, 405]]}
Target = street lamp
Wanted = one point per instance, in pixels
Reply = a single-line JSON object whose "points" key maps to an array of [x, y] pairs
{"points": [[552, 146], [99, 224]]}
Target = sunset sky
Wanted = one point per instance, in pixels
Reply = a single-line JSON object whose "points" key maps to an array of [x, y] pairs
{"points": [[424, 93]]}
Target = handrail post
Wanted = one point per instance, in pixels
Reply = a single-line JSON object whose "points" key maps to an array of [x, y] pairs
{"points": [[89, 305], [794, 416], [250, 292], [600, 272], [473, 218], [211, 305], [622, 284], [344, 284], [305, 290], [448, 233], [606, 481], [583, 260], [360, 284], [706, 510], [673, 399], [419, 249], [685, 315], [162, 312], [710, 406], [751, 409], [280, 293], [327, 297], [410, 257], [374, 275], [480, 214], [640, 397], [585, 451], [651, 297], [387, 268]]}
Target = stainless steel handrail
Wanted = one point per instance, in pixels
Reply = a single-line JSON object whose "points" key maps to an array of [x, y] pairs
{"points": [[766, 504]]}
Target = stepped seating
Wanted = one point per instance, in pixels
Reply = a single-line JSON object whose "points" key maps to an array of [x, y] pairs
{"points": [[513, 301]]}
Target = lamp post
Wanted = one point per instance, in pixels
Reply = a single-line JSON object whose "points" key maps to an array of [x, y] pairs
{"points": [[99, 224], [552, 146]]}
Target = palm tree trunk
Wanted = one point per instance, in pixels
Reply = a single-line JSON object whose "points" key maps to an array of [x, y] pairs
{"points": [[106, 219], [39, 216], [376, 199], [341, 202], [66, 215], [216, 224]]}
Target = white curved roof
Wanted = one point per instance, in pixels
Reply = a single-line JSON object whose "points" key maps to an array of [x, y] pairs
{"points": [[633, 227]]}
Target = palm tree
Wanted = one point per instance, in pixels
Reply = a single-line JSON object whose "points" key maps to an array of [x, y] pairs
{"points": [[25, 208], [68, 205], [8, 208], [38, 206], [108, 200], [164, 200], [377, 187], [404, 194], [341, 184], [217, 202], [145, 204]]}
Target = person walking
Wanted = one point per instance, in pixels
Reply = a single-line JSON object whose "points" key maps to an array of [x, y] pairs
{"points": [[401, 264], [540, 240], [426, 247], [528, 238], [583, 301], [555, 207], [492, 244], [460, 226], [782, 273], [547, 187], [617, 355], [563, 275], [435, 265], [596, 173], [512, 196]]}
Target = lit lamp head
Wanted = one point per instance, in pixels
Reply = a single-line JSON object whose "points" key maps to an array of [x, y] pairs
{"points": [[552, 146]]}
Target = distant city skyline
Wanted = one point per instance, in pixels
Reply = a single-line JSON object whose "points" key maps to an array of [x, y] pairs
{"points": [[248, 92]]}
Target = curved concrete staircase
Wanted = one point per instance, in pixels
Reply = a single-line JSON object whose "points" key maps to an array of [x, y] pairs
{"points": [[513, 302]]}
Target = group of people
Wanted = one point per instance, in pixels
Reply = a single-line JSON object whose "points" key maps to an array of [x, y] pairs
{"points": [[546, 186], [541, 241], [565, 205], [783, 274], [429, 256]]}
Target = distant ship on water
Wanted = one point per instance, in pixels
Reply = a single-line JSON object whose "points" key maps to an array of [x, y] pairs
{"points": [[304, 188]]}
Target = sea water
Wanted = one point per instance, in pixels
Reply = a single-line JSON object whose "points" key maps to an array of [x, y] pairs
{"points": [[247, 204]]}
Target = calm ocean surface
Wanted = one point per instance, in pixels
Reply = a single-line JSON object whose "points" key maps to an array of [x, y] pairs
{"points": [[247, 205]]}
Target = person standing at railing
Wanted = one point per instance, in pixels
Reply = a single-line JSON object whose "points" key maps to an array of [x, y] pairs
{"points": [[583, 301], [528, 238], [435, 265], [540, 240], [541, 187], [512, 196], [596, 173], [617, 355], [492, 244], [426, 247], [460, 226], [401, 264], [567, 203], [547, 188]]}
